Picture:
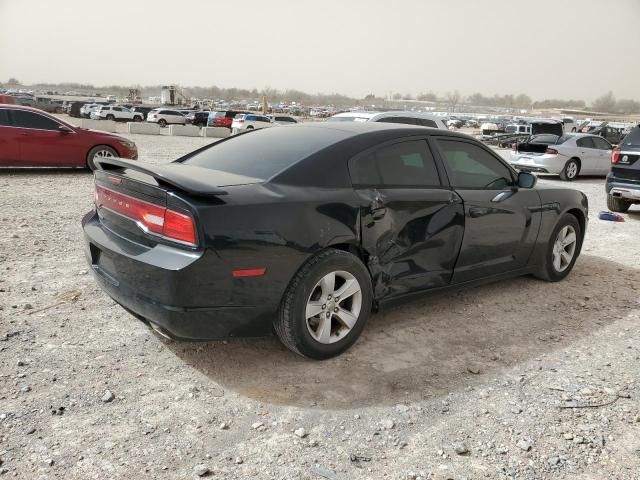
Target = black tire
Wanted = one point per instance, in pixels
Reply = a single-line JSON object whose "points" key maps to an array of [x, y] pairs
{"points": [[571, 170], [249, 127], [162, 122], [94, 151], [291, 323], [137, 118], [548, 272], [617, 204], [111, 117]]}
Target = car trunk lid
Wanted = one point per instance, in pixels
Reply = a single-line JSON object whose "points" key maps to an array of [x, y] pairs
{"points": [[151, 204]]}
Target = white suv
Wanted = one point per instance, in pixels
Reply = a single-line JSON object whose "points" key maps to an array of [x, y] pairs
{"points": [[409, 118], [110, 112], [249, 121], [164, 116]]}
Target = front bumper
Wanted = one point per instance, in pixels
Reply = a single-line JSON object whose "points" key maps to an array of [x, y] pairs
{"points": [[167, 288]]}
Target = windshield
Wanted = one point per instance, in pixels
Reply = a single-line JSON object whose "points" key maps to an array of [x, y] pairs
{"points": [[263, 153]]}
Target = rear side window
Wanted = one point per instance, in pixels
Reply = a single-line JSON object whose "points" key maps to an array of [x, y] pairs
{"points": [[425, 122], [4, 117], [404, 164], [24, 119], [470, 166], [405, 120]]}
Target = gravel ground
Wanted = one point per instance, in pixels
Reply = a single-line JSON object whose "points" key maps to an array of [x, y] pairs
{"points": [[518, 379]]}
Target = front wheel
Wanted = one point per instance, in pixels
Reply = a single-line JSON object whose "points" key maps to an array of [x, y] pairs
{"points": [[570, 170], [101, 151], [326, 305], [563, 249], [111, 117], [162, 122], [617, 204]]}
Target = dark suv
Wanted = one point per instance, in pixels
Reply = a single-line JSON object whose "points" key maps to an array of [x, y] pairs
{"points": [[623, 182]]}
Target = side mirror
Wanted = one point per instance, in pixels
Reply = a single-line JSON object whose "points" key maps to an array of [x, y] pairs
{"points": [[64, 129], [526, 180]]}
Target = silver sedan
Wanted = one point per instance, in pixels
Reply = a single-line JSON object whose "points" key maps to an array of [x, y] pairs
{"points": [[568, 156]]}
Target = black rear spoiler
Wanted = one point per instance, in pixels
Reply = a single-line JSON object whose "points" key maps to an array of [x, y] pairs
{"points": [[192, 180]]}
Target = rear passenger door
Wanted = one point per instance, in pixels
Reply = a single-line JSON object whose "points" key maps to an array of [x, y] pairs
{"points": [[501, 220], [411, 224]]}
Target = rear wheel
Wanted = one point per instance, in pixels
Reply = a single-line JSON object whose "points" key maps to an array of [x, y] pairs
{"points": [[617, 204], [137, 118], [570, 170], [326, 306], [162, 122], [110, 117], [101, 151], [563, 249], [250, 127]]}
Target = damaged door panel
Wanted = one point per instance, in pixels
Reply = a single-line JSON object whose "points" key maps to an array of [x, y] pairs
{"points": [[413, 237], [412, 226]]}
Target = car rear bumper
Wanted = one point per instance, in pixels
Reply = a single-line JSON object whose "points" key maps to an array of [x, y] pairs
{"points": [[541, 164], [622, 189], [166, 288]]}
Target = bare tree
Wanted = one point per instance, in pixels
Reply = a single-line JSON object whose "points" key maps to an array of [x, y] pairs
{"points": [[605, 103], [453, 98]]}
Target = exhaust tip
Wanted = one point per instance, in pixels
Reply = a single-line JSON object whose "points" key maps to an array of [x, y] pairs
{"points": [[159, 330]]}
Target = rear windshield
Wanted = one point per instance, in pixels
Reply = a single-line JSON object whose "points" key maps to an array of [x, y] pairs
{"points": [[263, 153], [348, 119], [633, 138]]}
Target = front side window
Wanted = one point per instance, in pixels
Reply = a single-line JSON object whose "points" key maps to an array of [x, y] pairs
{"points": [[404, 164], [471, 166], [24, 119], [585, 142], [4, 118], [601, 143]]}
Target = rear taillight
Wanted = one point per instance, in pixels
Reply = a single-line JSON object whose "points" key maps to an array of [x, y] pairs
{"points": [[615, 155], [551, 151], [240, 121], [150, 217]]}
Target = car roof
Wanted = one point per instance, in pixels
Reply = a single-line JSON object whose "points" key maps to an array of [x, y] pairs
{"points": [[21, 107]]}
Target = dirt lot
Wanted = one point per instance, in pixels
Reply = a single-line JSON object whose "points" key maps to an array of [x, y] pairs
{"points": [[518, 379]]}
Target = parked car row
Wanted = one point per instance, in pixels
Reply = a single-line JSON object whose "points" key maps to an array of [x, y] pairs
{"points": [[30, 137]]}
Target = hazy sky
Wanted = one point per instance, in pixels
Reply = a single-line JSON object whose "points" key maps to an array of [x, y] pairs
{"points": [[545, 48]]}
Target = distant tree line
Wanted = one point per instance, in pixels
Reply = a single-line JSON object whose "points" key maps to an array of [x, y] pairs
{"points": [[452, 101]]}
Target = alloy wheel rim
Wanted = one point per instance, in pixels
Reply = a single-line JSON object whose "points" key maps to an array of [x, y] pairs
{"points": [[564, 248], [572, 169], [104, 154], [333, 307]]}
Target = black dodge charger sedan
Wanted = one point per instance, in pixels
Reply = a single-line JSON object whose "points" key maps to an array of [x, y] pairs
{"points": [[303, 230]]}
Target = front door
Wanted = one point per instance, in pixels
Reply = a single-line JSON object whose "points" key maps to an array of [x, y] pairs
{"points": [[9, 149], [603, 157], [411, 224], [501, 220], [589, 155], [41, 141]]}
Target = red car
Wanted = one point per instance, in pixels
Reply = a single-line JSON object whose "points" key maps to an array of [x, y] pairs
{"points": [[32, 138]]}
